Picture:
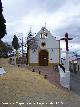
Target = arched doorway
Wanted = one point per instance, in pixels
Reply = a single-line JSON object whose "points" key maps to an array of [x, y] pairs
{"points": [[43, 58]]}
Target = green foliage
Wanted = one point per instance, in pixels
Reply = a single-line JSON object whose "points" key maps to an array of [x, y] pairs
{"points": [[9, 47], [4, 49], [15, 43], [2, 22]]}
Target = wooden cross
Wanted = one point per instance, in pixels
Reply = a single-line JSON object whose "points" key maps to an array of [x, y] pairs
{"points": [[66, 40]]}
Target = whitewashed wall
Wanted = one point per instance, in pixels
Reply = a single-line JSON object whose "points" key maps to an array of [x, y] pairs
{"points": [[33, 57], [53, 56], [52, 45]]}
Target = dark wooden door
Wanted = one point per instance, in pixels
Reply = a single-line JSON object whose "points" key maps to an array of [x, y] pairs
{"points": [[43, 58]]}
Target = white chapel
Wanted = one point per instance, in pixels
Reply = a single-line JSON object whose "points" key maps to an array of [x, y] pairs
{"points": [[47, 52]]}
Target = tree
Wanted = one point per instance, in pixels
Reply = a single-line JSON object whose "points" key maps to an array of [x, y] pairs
{"points": [[32, 42], [15, 43], [2, 23], [4, 49], [9, 47]]}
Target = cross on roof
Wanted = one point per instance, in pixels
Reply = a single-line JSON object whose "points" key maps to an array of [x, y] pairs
{"points": [[66, 40]]}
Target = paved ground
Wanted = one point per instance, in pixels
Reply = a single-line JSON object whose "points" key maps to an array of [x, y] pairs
{"points": [[75, 84]]}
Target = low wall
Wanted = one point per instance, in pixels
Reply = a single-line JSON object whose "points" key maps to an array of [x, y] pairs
{"points": [[64, 78]]}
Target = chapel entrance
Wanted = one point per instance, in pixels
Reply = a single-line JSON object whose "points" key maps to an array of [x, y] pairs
{"points": [[43, 58]]}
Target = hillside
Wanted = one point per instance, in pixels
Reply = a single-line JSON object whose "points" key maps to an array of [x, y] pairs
{"points": [[20, 85]]}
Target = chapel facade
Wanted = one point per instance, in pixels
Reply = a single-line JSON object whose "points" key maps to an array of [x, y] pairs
{"points": [[47, 52]]}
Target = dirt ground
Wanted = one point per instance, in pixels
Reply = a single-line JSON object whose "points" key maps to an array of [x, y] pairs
{"points": [[20, 87]]}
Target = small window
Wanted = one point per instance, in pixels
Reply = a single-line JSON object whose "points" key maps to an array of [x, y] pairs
{"points": [[43, 44]]}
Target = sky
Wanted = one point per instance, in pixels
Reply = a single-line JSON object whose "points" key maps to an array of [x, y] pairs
{"points": [[60, 16]]}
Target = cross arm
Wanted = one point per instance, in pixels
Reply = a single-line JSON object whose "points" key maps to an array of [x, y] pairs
{"points": [[62, 38], [70, 38]]}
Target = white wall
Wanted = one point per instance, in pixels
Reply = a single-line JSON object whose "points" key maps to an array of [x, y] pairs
{"points": [[51, 41], [54, 55], [51, 44], [33, 57]]}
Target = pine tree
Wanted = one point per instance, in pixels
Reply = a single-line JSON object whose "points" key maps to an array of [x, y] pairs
{"points": [[2, 22], [15, 43], [3, 49]]}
